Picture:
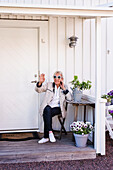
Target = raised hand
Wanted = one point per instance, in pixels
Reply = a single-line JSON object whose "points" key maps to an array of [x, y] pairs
{"points": [[42, 78], [62, 85]]}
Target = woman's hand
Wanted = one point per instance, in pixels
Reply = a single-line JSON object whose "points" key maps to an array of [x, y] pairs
{"points": [[42, 78], [62, 85]]}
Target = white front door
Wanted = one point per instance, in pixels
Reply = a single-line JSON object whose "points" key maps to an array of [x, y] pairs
{"points": [[18, 65]]}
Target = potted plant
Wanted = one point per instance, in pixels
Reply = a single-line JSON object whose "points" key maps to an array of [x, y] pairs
{"points": [[81, 131], [79, 87], [111, 113], [110, 94], [108, 98]]}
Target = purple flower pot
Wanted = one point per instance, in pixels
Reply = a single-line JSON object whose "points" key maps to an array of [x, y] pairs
{"points": [[112, 101], [108, 104]]}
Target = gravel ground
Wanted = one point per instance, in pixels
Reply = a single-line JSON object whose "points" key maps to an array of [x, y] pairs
{"points": [[100, 163]]}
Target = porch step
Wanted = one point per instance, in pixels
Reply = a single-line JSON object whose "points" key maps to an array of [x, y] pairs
{"points": [[31, 151]]}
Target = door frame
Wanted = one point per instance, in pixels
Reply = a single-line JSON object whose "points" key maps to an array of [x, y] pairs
{"points": [[42, 47]]}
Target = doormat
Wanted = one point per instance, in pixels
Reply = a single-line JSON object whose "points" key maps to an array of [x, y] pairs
{"points": [[19, 136]]}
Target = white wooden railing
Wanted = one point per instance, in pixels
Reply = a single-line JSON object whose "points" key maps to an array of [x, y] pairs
{"points": [[109, 121], [99, 142]]}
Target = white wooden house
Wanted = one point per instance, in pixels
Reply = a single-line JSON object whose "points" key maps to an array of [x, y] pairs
{"points": [[34, 39]]}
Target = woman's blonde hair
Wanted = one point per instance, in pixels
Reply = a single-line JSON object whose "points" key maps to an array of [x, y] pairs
{"points": [[58, 72]]}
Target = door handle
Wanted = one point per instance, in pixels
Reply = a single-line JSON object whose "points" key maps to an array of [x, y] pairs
{"points": [[34, 81]]}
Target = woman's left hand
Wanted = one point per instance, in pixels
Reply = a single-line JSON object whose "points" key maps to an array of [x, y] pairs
{"points": [[62, 85]]}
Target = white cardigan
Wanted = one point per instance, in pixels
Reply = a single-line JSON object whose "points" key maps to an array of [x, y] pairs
{"points": [[49, 92]]}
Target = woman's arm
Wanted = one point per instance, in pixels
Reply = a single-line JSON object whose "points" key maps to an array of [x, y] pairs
{"points": [[39, 87], [67, 94]]}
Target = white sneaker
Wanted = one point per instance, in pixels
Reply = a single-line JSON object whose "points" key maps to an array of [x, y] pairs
{"points": [[43, 140], [51, 137]]}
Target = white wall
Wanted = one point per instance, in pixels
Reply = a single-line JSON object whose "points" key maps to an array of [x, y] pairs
{"points": [[72, 61]]}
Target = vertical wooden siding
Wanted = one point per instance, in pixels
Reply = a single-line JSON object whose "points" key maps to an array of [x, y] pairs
{"points": [[71, 61], [81, 59], [58, 2]]}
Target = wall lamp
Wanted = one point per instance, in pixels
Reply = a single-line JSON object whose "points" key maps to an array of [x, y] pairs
{"points": [[73, 41]]}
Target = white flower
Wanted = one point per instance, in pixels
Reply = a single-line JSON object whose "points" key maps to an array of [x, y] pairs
{"points": [[74, 128], [78, 127], [82, 123], [85, 126], [91, 127], [88, 123]]}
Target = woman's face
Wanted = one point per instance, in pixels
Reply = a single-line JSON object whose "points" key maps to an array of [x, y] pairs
{"points": [[57, 79]]}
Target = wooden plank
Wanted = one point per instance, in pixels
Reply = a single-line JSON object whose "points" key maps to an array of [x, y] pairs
{"points": [[92, 69], [97, 2], [36, 1], [70, 64], [83, 102], [70, 2], [86, 52], [53, 46], [78, 51], [62, 2], [102, 129], [87, 3], [44, 51], [20, 1], [2, 1], [79, 57], [27, 1], [87, 48], [4, 16], [13, 16], [104, 2], [92, 3], [97, 82], [55, 2], [92, 57], [45, 2], [69, 51], [46, 157], [79, 2], [12, 1], [61, 45], [35, 17], [110, 1], [109, 80], [104, 57], [30, 151]]}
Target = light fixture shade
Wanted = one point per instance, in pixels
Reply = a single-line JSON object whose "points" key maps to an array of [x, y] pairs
{"points": [[73, 41]]}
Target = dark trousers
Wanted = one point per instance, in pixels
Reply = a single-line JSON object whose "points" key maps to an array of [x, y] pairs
{"points": [[47, 116]]}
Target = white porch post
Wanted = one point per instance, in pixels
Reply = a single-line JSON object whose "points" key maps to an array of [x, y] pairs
{"points": [[99, 112]]}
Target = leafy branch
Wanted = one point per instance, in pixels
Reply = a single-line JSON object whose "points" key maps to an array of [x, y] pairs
{"points": [[84, 85]]}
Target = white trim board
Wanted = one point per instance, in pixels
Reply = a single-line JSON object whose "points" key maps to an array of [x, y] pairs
{"points": [[55, 11]]}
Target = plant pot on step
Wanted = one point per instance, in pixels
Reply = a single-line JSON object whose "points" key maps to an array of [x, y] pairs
{"points": [[81, 140]]}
